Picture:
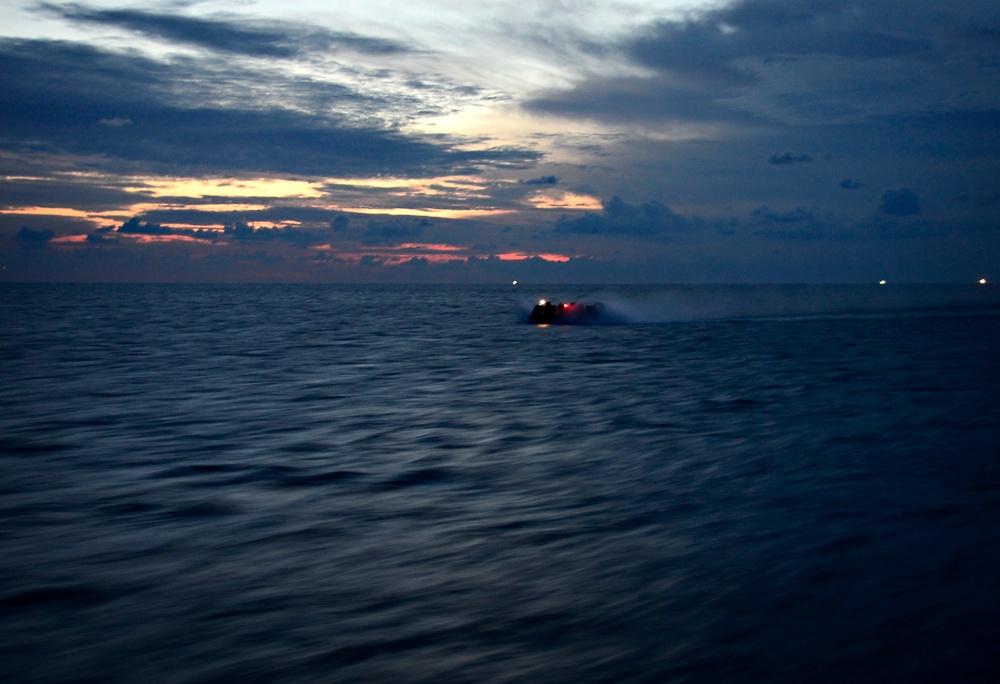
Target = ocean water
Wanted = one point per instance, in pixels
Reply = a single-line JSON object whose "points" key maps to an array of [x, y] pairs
{"points": [[411, 484]]}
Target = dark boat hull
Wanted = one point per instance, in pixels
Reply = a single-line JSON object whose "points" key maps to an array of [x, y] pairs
{"points": [[545, 312]]}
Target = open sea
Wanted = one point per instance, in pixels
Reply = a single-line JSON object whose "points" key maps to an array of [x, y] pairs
{"points": [[305, 483]]}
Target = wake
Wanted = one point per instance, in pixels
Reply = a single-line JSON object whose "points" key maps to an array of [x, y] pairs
{"points": [[721, 302]]}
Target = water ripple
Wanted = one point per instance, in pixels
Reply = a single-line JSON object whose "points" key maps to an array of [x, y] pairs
{"points": [[270, 483]]}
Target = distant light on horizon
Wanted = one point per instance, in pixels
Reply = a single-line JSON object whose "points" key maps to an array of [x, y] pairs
{"points": [[514, 283], [982, 281], [881, 282]]}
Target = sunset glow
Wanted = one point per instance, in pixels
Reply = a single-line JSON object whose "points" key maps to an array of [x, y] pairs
{"points": [[430, 213], [47, 211], [521, 256], [566, 200], [699, 141], [227, 187]]}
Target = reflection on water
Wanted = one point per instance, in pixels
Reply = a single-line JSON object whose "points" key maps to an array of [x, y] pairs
{"points": [[372, 484]]}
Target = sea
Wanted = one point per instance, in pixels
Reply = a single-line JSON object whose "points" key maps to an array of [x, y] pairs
{"points": [[323, 483]]}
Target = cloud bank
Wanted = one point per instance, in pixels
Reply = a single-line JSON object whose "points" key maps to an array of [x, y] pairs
{"points": [[751, 140]]}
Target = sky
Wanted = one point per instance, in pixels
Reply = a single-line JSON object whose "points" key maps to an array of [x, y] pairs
{"points": [[548, 141]]}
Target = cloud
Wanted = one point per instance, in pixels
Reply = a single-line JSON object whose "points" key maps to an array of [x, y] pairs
{"points": [[621, 218], [803, 223], [57, 94], [116, 122], [246, 232], [238, 231], [712, 44], [807, 62], [797, 224], [173, 114], [63, 190], [394, 229], [100, 237], [788, 158], [242, 37], [30, 237], [277, 213], [633, 99], [902, 202], [136, 227]]}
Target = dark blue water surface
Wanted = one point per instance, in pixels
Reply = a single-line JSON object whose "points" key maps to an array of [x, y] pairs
{"points": [[410, 484]]}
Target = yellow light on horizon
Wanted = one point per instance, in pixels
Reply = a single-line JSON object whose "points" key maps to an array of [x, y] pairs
{"points": [[48, 211], [227, 187], [95, 219], [143, 207], [982, 281], [427, 213], [566, 200]]}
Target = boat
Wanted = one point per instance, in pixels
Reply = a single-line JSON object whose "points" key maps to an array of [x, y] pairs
{"points": [[546, 311]]}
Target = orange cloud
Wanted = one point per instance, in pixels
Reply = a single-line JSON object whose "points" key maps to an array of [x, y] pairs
{"points": [[521, 256]]}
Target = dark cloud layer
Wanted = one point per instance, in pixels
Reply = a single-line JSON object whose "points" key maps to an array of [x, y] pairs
{"points": [[795, 224], [60, 96], [66, 191], [252, 39], [631, 99], [618, 217], [32, 236], [245, 232], [327, 226], [278, 213], [742, 124], [788, 158], [711, 46], [391, 231], [135, 227], [800, 61]]}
